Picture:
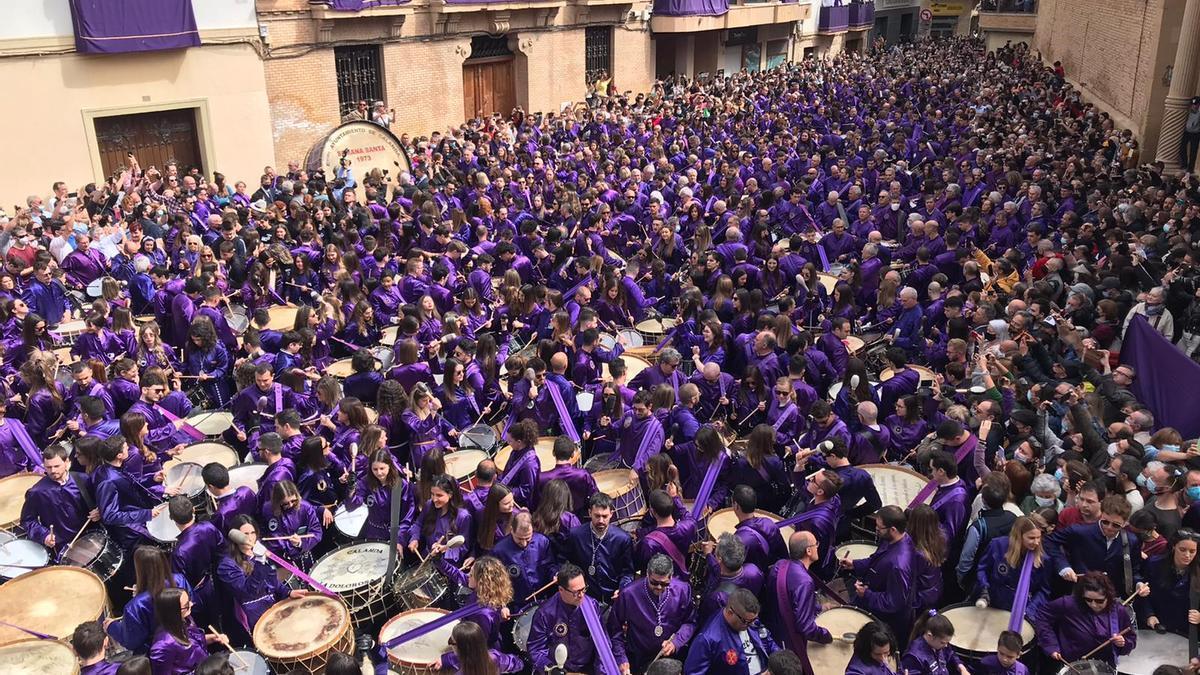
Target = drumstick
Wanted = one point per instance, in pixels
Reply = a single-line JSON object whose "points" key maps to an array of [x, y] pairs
{"points": [[241, 662], [747, 417], [548, 585], [1105, 643], [1128, 600], [1069, 666], [75, 539], [302, 536], [187, 473]]}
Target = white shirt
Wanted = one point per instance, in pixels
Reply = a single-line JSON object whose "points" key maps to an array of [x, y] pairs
{"points": [[753, 664]]}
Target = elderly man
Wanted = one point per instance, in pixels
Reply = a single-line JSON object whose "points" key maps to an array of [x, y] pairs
{"points": [[733, 642], [653, 617], [1155, 312], [907, 334]]}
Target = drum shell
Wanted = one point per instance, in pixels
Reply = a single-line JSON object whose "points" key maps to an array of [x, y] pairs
{"points": [[396, 662], [368, 601], [315, 658], [962, 628], [96, 551], [12, 499], [419, 587], [23, 552], [626, 492]]}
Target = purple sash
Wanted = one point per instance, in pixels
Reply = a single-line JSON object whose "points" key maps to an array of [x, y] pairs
{"points": [[931, 487], [278, 398], [430, 626], [785, 416], [710, 481], [669, 547], [27, 445], [514, 464], [824, 258], [1022, 597], [649, 439], [187, 428], [300, 575], [789, 619], [34, 633], [568, 425], [608, 664]]}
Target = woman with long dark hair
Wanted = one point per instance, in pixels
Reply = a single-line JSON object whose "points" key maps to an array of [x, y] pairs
{"points": [[471, 655], [442, 517], [759, 467], [1071, 626], [495, 521], [874, 650], [248, 579], [293, 524], [553, 517], [1172, 576], [152, 571], [375, 491], [179, 644], [208, 362], [931, 547]]}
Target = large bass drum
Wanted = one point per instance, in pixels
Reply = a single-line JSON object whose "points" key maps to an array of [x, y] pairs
{"points": [[356, 572], [38, 657], [301, 633]]}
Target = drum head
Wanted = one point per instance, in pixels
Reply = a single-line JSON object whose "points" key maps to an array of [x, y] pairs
{"points": [[186, 476], [633, 366], [21, 556], [585, 400], [855, 550], [633, 339], [544, 449], [52, 600], [614, 482], [162, 528], [351, 567], [976, 629], [87, 548], [462, 463], [282, 318], [340, 368], [297, 627], [521, 630], [423, 651], [94, 289], [897, 485], [724, 521], [12, 496], [248, 663], [1089, 667], [1153, 650], [246, 475], [211, 422], [350, 523], [38, 657], [206, 452], [476, 437]]}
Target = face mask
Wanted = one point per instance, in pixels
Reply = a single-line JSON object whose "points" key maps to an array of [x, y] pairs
{"points": [[1170, 448], [1112, 449], [1044, 501], [1147, 483], [1193, 493], [895, 207], [1022, 458], [1058, 473]]}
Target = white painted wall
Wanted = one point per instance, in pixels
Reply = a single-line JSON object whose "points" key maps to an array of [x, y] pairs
{"points": [[52, 18]]}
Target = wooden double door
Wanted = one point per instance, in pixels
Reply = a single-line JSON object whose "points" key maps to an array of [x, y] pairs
{"points": [[155, 138], [489, 86]]}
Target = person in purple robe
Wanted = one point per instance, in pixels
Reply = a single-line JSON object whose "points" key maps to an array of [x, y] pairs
{"points": [[822, 517], [228, 502], [248, 579], [179, 645], [639, 432], [86, 385], [874, 647], [97, 342], [182, 310], [375, 492], [791, 604], [673, 533], [521, 473], [903, 382], [761, 536], [428, 429], [951, 500], [654, 617], [1074, 625], [18, 450], [908, 428], [91, 646], [209, 363], [886, 583], [665, 371], [60, 503], [930, 653], [441, 518], [603, 550], [256, 406], [528, 557], [733, 642], [125, 505], [580, 482], [559, 621], [279, 468], [197, 550], [294, 525], [46, 297]]}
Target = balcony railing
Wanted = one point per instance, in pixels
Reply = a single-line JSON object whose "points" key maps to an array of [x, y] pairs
{"points": [[1009, 6], [862, 14]]}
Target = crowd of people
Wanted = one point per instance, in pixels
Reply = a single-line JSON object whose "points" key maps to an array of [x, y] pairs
{"points": [[920, 262]]}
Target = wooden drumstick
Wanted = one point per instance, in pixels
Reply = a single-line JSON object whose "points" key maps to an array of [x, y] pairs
{"points": [[302, 536], [1068, 665], [1105, 643], [548, 585], [75, 539], [1128, 600], [241, 662], [187, 473]]}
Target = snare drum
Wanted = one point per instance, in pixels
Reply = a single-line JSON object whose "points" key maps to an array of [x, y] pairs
{"points": [[187, 476], [52, 600], [282, 318], [897, 485], [625, 490], [246, 475], [976, 630], [1153, 650], [96, 288], [633, 339], [204, 453], [237, 318], [633, 366], [1089, 667], [69, 330], [356, 573], [349, 524], [720, 522], [162, 529], [419, 656], [654, 330], [248, 663], [843, 623], [211, 423], [420, 586], [385, 357], [928, 377], [478, 437], [21, 556], [521, 628], [544, 449], [38, 657], [302, 632], [340, 369], [855, 550], [462, 464], [97, 551], [12, 497]]}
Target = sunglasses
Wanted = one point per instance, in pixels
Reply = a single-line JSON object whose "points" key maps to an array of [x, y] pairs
{"points": [[1111, 523], [1096, 601], [658, 584]]}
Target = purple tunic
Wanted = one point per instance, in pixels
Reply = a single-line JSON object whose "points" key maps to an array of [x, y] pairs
{"points": [[640, 622], [556, 623], [253, 593], [169, 657]]}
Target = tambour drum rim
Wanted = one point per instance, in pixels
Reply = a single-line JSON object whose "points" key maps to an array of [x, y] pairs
{"points": [[316, 650]]}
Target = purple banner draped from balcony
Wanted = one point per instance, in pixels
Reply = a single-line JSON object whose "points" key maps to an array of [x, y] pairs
{"points": [[359, 5], [833, 19], [691, 7], [118, 26]]}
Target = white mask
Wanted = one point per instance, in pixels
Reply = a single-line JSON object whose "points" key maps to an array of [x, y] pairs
{"points": [[1044, 501]]}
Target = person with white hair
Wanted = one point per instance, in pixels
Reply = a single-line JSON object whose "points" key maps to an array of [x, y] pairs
{"points": [[907, 334], [1153, 308]]}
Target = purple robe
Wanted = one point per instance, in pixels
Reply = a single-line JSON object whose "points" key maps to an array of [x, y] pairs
{"points": [[378, 502], [891, 583], [63, 507], [1064, 627], [252, 593], [169, 657], [791, 615], [555, 623], [639, 623], [242, 501]]}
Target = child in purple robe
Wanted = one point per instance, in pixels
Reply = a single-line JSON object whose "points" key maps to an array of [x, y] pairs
{"points": [[930, 652]]}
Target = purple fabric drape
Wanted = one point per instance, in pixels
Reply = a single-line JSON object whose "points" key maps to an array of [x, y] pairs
{"points": [[359, 5], [1021, 599], [691, 7], [119, 26], [1167, 382]]}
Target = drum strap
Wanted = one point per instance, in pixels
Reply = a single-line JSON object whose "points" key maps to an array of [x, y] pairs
{"points": [[669, 547], [604, 651], [1021, 599], [84, 493], [787, 612], [1128, 563], [187, 428], [706, 487], [393, 526], [564, 417]]}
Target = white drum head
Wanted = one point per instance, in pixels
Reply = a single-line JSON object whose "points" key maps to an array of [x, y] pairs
{"points": [[426, 649], [585, 400], [211, 422], [246, 475], [248, 663], [162, 528], [20, 556], [352, 566], [350, 523]]}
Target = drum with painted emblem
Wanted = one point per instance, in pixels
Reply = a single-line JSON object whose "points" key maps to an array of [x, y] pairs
{"points": [[301, 633], [356, 572]]}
